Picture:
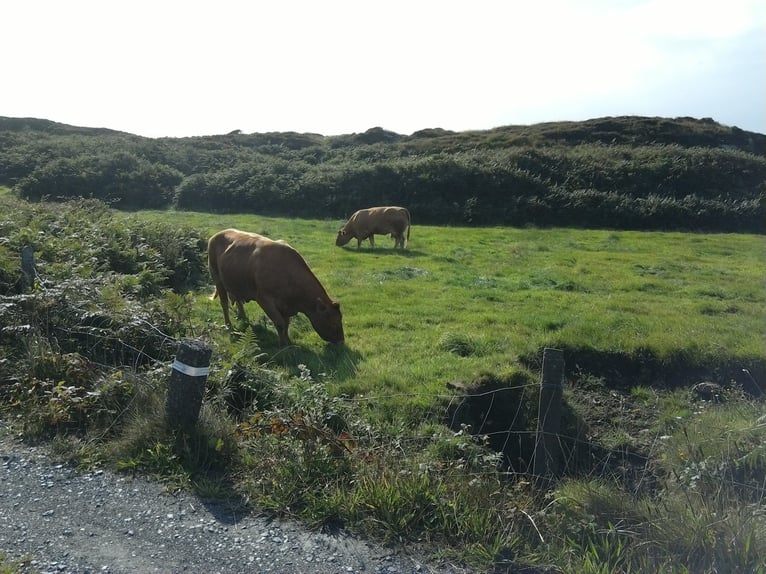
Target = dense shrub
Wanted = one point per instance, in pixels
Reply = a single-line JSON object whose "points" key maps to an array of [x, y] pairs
{"points": [[121, 178], [637, 173], [82, 237]]}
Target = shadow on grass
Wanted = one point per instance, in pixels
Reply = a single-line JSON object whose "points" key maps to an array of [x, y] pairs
{"points": [[620, 370], [338, 360], [408, 253]]}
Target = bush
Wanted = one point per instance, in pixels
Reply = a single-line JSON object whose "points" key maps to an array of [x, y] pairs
{"points": [[122, 179]]}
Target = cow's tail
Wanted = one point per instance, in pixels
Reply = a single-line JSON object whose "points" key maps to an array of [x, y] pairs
{"points": [[213, 268], [409, 224], [215, 295]]}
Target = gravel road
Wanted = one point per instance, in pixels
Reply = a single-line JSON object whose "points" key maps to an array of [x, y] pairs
{"points": [[66, 521]]}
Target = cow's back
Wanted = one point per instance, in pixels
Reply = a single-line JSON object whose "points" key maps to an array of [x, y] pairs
{"points": [[381, 220], [245, 263]]}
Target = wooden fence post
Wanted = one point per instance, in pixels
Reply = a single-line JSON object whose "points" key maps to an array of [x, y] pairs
{"points": [[186, 388], [547, 451], [27, 267]]}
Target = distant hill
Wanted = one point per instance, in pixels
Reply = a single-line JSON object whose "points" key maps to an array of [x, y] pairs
{"points": [[630, 130], [627, 130], [50, 127], [617, 172]]}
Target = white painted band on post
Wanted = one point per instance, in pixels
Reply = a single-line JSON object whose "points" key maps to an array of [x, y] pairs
{"points": [[189, 370]]}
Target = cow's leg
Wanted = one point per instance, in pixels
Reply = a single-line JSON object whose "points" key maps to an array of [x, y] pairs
{"points": [[223, 297], [284, 338], [372, 241], [241, 311], [280, 321]]}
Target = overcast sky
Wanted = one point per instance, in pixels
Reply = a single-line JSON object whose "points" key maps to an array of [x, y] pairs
{"points": [[181, 68]]}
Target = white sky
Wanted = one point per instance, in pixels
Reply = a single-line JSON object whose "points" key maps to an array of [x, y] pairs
{"points": [[181, 68]]}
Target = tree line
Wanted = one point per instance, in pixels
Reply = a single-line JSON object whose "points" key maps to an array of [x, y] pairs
{"points": [[622, 173]]}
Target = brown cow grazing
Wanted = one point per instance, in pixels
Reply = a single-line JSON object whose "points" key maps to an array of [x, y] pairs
{"points": [[250, 267], [365, 223]]}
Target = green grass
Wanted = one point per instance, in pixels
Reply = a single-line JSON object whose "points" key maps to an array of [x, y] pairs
{"points": [[511, 292], [354, 435]]}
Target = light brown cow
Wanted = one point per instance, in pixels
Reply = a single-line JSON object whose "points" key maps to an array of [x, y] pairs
{"points": [[250, 267], [365, 223]]}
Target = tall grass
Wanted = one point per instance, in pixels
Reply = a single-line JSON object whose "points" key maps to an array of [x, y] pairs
{"points": [[705, 515]]}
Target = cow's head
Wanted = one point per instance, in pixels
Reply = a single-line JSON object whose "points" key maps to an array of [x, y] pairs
{"points": [[327, 320], [343, 237]]}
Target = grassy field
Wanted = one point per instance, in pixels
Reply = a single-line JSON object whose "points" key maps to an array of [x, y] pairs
{"points": [[355, 435], [502, 294]]}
